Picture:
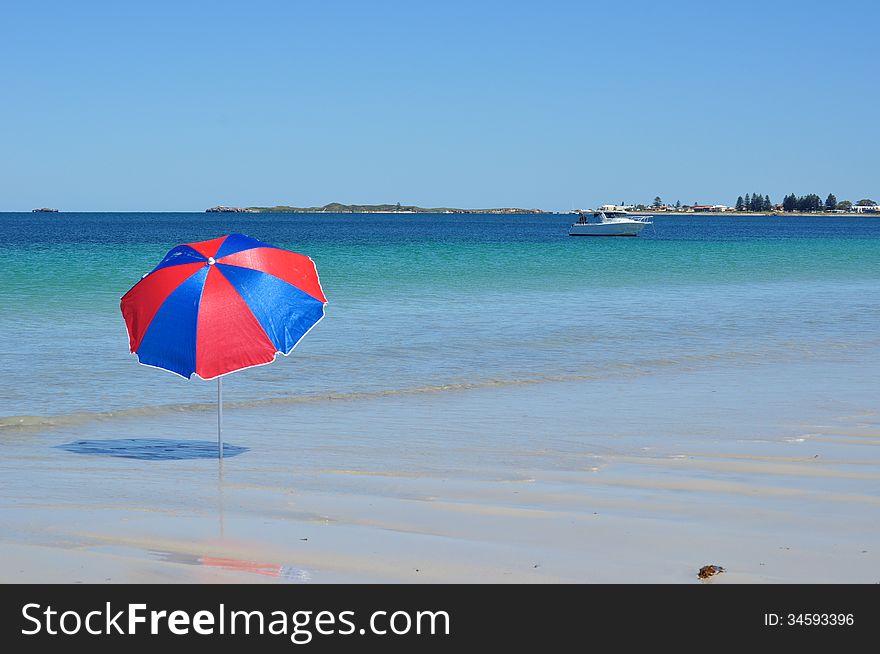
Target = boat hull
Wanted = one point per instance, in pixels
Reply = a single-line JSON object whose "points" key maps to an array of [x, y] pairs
{"points": [[607, 229]]}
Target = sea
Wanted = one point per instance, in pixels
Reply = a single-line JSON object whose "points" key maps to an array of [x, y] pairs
{"points": [[433, 303]]}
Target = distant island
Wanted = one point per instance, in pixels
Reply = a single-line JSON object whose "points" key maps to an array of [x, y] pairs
{"points": [[336, 207], [44, 210]]}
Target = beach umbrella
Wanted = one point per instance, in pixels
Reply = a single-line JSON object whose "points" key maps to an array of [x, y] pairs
{"points": [[215, 307]]}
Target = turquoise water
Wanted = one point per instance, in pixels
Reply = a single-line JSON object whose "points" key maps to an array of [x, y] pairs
{"points": [[425, 301]]}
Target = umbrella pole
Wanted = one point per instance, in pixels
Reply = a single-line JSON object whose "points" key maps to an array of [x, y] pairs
{"points": [[219, 416]]}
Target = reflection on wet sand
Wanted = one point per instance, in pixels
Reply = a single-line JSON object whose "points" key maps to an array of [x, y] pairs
{"points": [[284, 572]]}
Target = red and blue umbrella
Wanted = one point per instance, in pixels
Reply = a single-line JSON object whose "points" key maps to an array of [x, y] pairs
{"points": [[214, 307]]}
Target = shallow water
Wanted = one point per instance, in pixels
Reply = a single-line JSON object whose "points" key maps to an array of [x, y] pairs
{"points": [[569, 481]]}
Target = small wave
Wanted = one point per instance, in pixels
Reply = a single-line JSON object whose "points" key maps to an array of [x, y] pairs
{"points": [[36, 423], [27, 422], [634, 368], [39, 423]]}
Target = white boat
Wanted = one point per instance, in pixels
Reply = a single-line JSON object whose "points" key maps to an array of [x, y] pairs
{"points": [[608, 221]]}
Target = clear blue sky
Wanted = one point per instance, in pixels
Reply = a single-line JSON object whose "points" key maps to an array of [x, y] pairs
{"points": [[182, 105]]}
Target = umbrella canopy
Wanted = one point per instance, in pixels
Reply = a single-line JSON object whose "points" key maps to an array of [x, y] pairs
{"points": [[214, 307]]}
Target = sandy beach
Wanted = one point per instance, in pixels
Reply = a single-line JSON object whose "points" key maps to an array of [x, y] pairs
{"points": [[545, 482]]}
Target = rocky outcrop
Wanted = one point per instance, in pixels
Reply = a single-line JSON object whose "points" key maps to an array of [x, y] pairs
{"points": [[222, 209]]}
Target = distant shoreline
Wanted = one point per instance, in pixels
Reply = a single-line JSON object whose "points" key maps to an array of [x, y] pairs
{"points": [[338, 207], [507, 212], [512, 211], [752, 214]]}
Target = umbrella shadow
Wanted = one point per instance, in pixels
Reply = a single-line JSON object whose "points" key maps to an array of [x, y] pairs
{"points": [[152, 449]]}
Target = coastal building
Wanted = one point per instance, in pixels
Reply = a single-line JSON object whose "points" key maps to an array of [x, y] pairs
{"points": [[616, 207], [857, 208], [711, 208]]}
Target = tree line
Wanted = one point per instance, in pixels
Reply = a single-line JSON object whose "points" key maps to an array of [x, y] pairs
{"points": [[813, 202], [810, 202], [755, 202], [758, 203], [803, 203]]}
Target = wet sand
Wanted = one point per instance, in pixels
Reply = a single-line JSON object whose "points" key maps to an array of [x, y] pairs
{"points": [[631, 479]]}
